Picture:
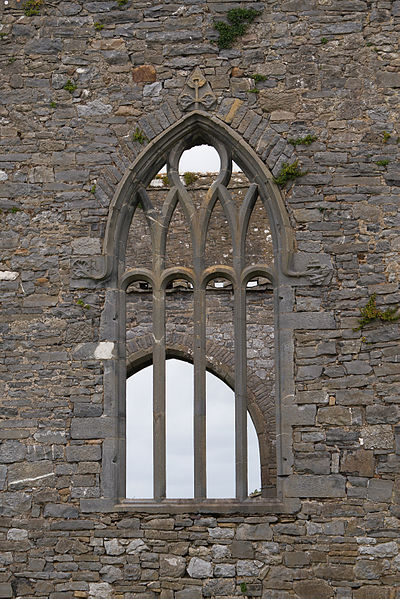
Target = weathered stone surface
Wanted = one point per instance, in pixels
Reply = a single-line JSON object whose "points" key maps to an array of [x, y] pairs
{"points": [[100, 590], [199, 568], [113, 547], [256, 532], [242, 549], [334, 415], [144, 74], [30, 475], [380, 550], [372, 592], [377, 437], [43, 46], [316, 486], [368, 570], [380, 490], [174, 566], [190, 593], [12, 451], [94, 108], [6, 590], [359, 462], [313, 589]]}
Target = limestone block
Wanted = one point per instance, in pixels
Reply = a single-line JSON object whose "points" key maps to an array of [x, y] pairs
{"points": [[366, 569], [313, 589], [199, 568], [221, 551], [248, 567], [242, 549], [189, 593], [172, 566], [219, 587], [12, 451], [336, 415], [389, 549], [221, 533], [145, 73], [3, 474], [100, 590], [224, 570], [254, 532], [309, 485], [382, 414], [136, 546], [86, 246], [30, 474], [372, 592], [17, 534], [113, 547], [378, 437], [360, 462], [296, 559], [6, 591], [111, 573], [60, 510], [379, 490]]}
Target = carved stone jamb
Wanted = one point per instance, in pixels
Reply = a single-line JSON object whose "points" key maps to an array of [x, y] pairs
{"points": [[197, 93]]}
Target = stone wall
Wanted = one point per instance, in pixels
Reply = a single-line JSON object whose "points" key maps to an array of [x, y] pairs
{"points": [[331, 71]]}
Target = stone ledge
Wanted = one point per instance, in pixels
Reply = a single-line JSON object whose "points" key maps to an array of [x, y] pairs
{"points": [[187, 506]]}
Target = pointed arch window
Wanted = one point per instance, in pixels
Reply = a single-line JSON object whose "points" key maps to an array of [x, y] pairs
{"points": [[208, 239]]}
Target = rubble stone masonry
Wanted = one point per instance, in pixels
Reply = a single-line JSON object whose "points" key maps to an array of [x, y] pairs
{"points": [[86, 87]]}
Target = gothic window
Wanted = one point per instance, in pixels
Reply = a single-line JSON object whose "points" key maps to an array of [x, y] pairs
{"points": [[198, 275]]}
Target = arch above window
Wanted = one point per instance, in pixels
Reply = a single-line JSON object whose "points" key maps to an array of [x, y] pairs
{"points": [[195, 129]]}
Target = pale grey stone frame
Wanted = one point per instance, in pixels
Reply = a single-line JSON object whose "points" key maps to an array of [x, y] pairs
{"points": [[202, 127]]}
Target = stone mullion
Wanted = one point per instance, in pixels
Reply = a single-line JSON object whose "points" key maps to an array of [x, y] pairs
{"points": [[199, 362], [199, 413], [159, 356], [240, 365]]}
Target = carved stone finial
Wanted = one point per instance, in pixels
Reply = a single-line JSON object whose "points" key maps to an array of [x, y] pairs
{"points": [[197, 93]]}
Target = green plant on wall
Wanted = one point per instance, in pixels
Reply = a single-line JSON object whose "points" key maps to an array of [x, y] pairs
{"points": [[238, 21], [32, 7], [288, 172], [164, 179], [257, 77], [82, 304], [139, 136], [303, 141], [189, 178], [70, 86], [371, 313]]}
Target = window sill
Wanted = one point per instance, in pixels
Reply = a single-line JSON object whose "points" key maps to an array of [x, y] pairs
{"points": [[208, 506]]}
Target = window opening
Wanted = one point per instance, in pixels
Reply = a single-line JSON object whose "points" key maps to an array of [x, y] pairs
{"points": [[200, 159], [204, 295], [220, 435]]}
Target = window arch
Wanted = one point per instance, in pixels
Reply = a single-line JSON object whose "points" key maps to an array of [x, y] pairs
{"points": [[132, 197]]}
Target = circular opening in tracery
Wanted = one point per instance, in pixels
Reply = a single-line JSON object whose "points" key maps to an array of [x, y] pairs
{"points": [[200, 159]]}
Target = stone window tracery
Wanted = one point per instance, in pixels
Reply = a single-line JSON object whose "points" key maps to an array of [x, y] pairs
{"points": [[198, 273]]}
